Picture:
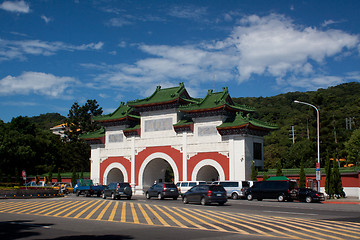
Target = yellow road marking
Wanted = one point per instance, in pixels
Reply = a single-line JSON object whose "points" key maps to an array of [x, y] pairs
{"points": [[148, 220], [123, 212], [112, 215], [56, 206], [103, 211], [61, 207], [14, 206], [74, 207], [94, 210], [135, 217], [172, 218], [46, 207], [200, 220], [34, 206], [186, 219], [86, 209], [157, 216]]}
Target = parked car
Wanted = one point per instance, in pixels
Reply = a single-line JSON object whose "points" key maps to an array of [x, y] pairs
{"points": [[280, 190], [206, 194], [86, 186], [184, 186], [309, 195], [234, 189], [163, 190], [116, 190]]}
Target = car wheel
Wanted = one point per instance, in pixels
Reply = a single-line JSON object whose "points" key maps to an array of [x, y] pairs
{"points": [[281, 198], [249, 197], [103, 196], [221, 203], [148, 196], [308, 199], [113, 196], [129, 197], [234, 196], [185, 200], [77, 193], [159, 196], [203, 201], [175, 198]]}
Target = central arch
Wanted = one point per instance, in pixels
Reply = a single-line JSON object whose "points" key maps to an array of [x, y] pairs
{"points": [[153, 169]]}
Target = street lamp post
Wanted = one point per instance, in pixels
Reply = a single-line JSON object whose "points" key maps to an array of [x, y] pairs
{"points": [[318, 141]]}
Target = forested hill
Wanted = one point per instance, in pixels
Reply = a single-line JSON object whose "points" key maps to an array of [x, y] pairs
{"points": [[339, 108], [48, 120]]}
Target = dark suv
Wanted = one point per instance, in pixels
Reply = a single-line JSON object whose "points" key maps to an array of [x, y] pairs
{"points": [[116, 190], [280, 190], [206, 194], [163, 190]]}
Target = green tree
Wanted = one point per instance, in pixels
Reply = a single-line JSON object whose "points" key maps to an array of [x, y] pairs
{"points": [[336, 177], [58, 178], [302, 180], [80, 118], [51, 168], [328, 170], [254, 172], [265, 176], [352, 146], [279, 169], [74, 176]]}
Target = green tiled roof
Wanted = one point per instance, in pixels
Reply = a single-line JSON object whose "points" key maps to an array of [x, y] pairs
{"points": [[184, 122], [213, 101], [136, 127], [240, 121], [94, 135], [165, 95], [122, 112]]}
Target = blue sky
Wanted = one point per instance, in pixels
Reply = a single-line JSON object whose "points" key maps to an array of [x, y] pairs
{"points": [[53, 53]]}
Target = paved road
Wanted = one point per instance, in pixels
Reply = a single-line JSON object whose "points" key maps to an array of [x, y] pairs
{"points": [[248, 220]]}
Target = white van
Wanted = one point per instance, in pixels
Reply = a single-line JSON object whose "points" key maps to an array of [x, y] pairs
{"points": [[184, 186], [234, 189]]}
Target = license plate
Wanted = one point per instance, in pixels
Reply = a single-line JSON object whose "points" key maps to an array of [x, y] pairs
{"points": [[219, 194], [172, 190], [121, 192]]}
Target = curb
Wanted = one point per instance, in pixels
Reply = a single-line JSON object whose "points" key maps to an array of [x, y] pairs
{"points": [[334, 202]]}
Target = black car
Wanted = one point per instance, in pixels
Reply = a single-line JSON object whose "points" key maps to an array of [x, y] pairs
{"points": [[116, 190], [206, 194], [309, 195], [163, 190], [280, 190]]}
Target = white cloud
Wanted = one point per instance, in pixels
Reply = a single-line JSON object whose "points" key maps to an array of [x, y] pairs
{"points": [[188, 12], [19, 49], [15, 6], [271, 46], [46, 19], [36, 83]]}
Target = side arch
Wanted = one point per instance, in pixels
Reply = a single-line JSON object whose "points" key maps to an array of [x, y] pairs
{"points": [[204, 163], [112, 166]]}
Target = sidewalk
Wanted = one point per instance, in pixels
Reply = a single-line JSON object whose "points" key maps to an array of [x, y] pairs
{"points": [[347, 200]]}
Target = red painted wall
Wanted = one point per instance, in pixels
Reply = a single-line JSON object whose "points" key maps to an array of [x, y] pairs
{"points": [[220, 158], [175, 154], [123, 161]]}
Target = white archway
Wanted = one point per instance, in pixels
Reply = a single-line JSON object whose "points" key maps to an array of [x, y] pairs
{"points": [[117, 166], [205, 163], [156, 156]]}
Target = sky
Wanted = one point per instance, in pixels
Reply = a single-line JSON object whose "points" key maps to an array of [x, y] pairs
{"points": [[55, 53]]}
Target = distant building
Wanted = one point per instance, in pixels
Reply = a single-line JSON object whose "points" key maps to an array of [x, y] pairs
{"points": [[199, 139], [60, 130]]}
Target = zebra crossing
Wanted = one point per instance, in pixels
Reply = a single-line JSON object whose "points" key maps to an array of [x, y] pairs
{"points": [[186, 218]]}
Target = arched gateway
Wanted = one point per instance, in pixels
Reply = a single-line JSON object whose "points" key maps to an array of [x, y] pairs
{"points": [[171, 135]]}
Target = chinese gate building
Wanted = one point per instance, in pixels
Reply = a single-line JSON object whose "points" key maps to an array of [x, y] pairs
{"points": [[206, 139]]}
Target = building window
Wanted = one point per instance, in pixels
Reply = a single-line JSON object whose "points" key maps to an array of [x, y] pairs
{"points": [[257, 151], [113, 138], [158, 125]]}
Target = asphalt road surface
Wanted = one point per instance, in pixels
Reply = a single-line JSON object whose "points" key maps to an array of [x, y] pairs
{"points": [[95, 218]]}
